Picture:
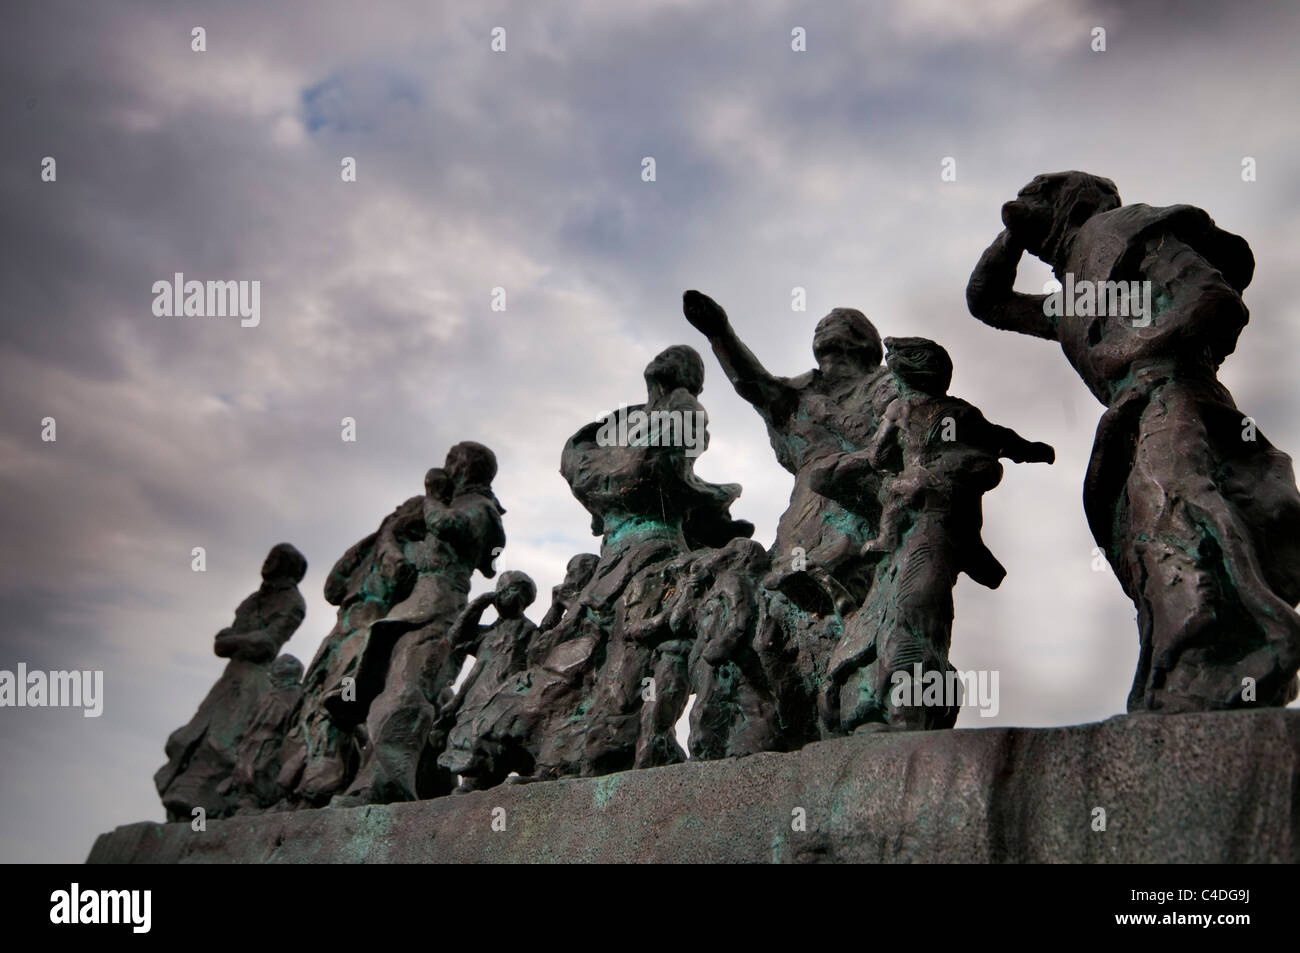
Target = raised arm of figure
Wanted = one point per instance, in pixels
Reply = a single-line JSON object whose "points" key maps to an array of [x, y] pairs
{"points": [[991, 298], [771, 396]]}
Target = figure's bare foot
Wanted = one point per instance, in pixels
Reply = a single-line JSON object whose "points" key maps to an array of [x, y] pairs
{"points": [[871, 728], [876, 548]]}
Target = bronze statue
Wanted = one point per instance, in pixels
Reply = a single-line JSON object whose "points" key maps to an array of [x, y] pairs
{"points": [[409, 656], [500, 652], [202, 756], [577, 573], [818, 567], [1183, 493], [933, 456], [713, 638], [578, 711], [826, 410], [260, 759], [812, 638], [322, 750]]}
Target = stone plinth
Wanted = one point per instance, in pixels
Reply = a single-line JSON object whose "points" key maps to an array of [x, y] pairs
{"points": [[1214, 787]]}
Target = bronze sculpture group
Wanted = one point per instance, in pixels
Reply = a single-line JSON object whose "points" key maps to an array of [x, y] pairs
{"points": [[1196, 512]]}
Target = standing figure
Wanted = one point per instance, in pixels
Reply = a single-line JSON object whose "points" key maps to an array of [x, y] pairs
{"points": [[409, 655], [500, 652], [201, 757], [939, 456], [711, 638], [816, 556], [578, 710], [1183, 493], [830, 409], [650, 509], [322, 751], [564, 597]]}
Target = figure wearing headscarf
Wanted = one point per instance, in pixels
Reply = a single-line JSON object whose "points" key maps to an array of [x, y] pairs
{"points": [[1197, 513], [409, 653], [578, 710], [322, 750], [201, 757]]}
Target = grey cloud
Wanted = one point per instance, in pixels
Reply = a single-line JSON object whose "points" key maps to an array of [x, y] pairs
{"points": [[523, 170]]}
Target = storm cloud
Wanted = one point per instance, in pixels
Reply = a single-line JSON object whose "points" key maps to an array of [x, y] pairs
{"points": [[521, 170]]}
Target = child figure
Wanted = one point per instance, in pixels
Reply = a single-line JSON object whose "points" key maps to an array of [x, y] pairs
{"points": [[704, 637], [564, 597], [930, 461], [500, 652], [936, 435]]}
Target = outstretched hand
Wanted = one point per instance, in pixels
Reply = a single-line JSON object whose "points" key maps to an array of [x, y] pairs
{"points": [[704, 314], [1039, 452]]}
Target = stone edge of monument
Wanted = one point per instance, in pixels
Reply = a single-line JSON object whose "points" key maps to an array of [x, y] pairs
{"points": [[1201, 788]]}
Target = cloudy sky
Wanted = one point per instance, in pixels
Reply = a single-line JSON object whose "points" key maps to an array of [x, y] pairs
{"points": [[522, 170]]}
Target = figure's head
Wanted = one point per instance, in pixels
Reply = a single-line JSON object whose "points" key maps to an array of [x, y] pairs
{"points": [[1052, 206], [920, 363], [846, 344], [747, 556], [674, 367], [741, 555], [284, 564], [579, 571], [286, 671], [391, 563], [515, 592], [470, 464], [434, 478], [714, 603]]}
